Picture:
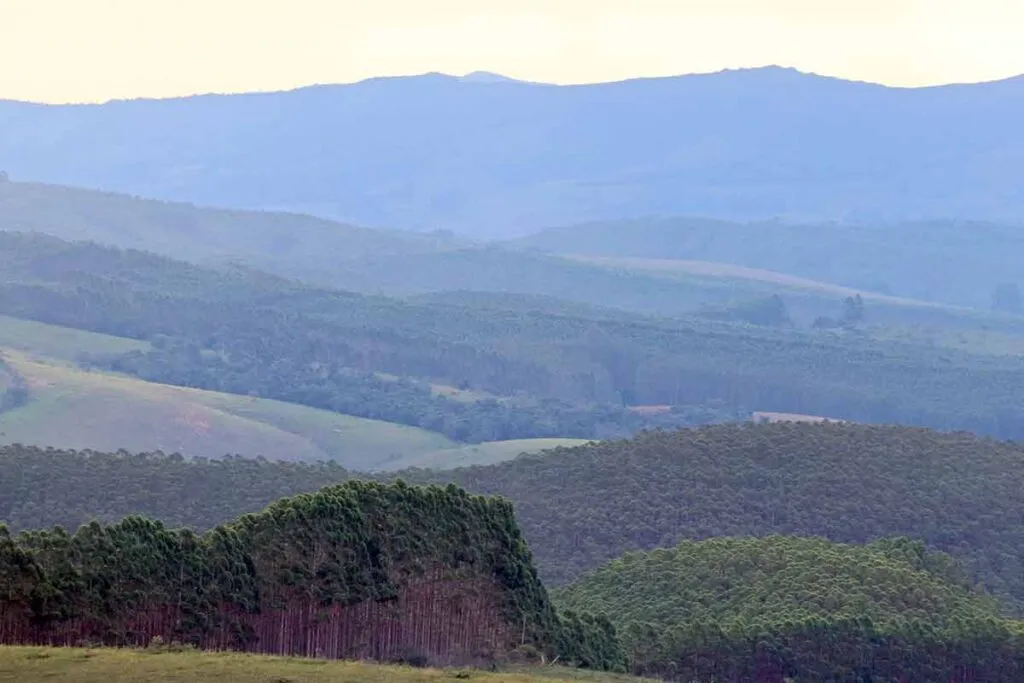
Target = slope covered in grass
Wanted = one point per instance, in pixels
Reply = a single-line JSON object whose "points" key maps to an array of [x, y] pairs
{"points": [[63, 665], [955, 262], [284, 243], [63, 343], [72, 408]]}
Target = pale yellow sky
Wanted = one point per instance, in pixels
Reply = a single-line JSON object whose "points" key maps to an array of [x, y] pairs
{"points": [[90, 50]]}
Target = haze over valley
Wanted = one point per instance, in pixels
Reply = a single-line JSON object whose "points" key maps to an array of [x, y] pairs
{"points": [[709, 377]]}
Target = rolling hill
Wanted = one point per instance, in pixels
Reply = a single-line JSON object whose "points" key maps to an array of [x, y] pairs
{"points": [[501, 158], [73, 408], [407, 264], [582, 507], [286, 244], [556, 374], [69, 407], [955, 262], [798, 609]]}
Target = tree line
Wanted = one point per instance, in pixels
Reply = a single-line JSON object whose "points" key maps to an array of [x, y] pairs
{"points": [[358, 570], [581, 507]]}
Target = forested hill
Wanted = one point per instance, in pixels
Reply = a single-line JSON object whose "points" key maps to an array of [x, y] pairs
{"points": [[288, 244], [356, 571], [957, 262], [500, 157], [731, 609], [555, 374], [850, 483], [581, 507]]}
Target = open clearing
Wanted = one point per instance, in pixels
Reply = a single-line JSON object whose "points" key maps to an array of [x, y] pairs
{"points": [[68, 665], [74, 408], [726, 271], [63, 343]]}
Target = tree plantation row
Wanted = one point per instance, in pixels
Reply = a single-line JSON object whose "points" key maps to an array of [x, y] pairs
{"points": [[353, 571]]}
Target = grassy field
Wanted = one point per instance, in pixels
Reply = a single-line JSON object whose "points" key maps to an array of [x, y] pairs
{"points": [[74, 408], [63, 343], [38, 665], [707, 269], [479, 454]]}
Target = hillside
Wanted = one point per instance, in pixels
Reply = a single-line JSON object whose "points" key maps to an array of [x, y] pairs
{"points": [[958, 262], [581, 507], [554, 374], [499, 158], [287, 244], [730, 580], [71, 408], [800, 609], [354, 571], [67, 407], [405, 263], [848, 483], [659, 287]]}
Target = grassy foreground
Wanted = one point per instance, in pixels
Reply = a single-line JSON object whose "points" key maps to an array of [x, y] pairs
{"points": [[33, 665]]}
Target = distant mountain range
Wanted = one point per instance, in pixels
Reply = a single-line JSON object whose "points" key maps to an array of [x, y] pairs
{"points": [[494, 157]]}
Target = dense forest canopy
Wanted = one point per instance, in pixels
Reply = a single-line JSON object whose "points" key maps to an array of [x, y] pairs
{"points": [[737, 580], [581, 507], [801, 609], [356, 570], [734, 609]]}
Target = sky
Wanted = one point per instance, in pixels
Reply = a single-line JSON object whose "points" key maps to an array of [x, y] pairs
{"points": [[95, 50]]}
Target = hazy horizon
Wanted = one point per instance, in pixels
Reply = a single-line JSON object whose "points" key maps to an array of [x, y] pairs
{"points": [[71, 51]]}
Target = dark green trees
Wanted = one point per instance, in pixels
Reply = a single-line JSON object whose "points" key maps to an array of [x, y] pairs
{"points": [[359, 570], [807, 610]]}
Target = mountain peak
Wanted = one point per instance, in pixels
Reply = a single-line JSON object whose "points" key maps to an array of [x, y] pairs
{"points": [[487, 77]]}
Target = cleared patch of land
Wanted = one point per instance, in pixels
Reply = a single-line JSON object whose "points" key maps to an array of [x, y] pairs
{"points": [[63, 343], [480, 454], [68, 665], [74, 408], [711, 269]]}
